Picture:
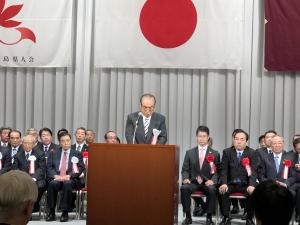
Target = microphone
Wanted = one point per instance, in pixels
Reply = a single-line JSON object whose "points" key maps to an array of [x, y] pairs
{"points": [[136, 124]]}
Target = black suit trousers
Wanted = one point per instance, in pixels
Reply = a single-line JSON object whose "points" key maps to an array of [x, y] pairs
{"points": [[209, 191]]}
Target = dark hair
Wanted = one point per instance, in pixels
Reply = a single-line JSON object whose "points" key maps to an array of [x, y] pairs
{"points": [[16, 131], [202, 129], [296, 135], [63, 134], [148, 95], [5, 128], [61, 131], [261, 137], [80, 128], [90, 130], [296, 141], [105, 135], [118, 140], [271, 131], [238, 131], [45, 129], [272, 203]]}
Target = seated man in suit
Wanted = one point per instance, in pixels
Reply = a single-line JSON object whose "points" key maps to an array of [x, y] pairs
{"points": [[18, 193], [111, 137], [295, 188], [4, 136], [199, 172], [141, 126], [5, 160], [32, 161], [90, 137], [46, 141], [63, 169], [15, 143], [238, 174], [34, 132], [273, 165], [80, 136]]}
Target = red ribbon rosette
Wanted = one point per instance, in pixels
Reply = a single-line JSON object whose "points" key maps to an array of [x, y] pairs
{"points": [[210, 158], [246, 164], [85, 156], [287, 164]]}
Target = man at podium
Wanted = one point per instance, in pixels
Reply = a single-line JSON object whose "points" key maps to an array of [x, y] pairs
{"points": [[146, 126]]}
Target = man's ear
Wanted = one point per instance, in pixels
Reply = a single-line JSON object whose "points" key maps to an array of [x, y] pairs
{"points": [[27, 209]]}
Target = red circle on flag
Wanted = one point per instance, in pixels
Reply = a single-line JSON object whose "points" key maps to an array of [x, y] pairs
{"points": [[168, 23]]}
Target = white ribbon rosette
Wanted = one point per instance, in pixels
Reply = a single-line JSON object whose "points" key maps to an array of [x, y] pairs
{"points": [[31, 160], [156, 133], [74, 161], [0, 161]]}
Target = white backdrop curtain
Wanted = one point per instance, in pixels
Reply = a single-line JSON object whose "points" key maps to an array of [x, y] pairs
{"points": [[100, 99]]}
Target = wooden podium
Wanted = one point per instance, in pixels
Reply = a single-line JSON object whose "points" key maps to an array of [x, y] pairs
{"points": [[132, 184]]}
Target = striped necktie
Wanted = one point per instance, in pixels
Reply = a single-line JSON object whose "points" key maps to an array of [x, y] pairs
{"points": [[146, 126]]}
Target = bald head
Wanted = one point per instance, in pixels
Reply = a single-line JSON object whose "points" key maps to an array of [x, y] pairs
{"points": [[28, 142]]}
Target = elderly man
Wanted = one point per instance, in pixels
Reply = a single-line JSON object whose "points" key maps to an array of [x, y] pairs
{"points": [[18, 193], [80, 136], [32, 161], [111, 137], [15, 143], [90, 136], [64, 166], [146, 126]]}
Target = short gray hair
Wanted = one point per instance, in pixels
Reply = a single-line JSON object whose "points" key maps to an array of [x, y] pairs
{"points": [[17, 188]]}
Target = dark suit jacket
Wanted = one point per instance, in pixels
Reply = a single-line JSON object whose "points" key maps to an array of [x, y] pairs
{"points": [[52, 147], [268, 170], [84, 147], [191, 165], [157, 121], [6, 160], [54, 162], [231, 169], [20, 163]]}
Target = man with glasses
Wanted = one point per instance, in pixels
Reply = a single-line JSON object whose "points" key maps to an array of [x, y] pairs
{"points": [[146, 126]]}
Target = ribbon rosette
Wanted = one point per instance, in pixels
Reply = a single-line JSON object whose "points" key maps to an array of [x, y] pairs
{"points": [[246, 164], [287, 164], [85, 156], [210, 159], [31, 160], [0, 161], [74, 161], [156, 133]]}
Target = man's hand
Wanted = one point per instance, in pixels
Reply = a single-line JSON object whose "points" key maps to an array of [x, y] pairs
{"points": [[57, 178], [281, 184], [186, 181], [223, 188], [209, 183], [250, 189]]}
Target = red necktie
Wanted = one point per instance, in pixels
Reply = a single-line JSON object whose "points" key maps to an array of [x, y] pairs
{"points": [[63, 167]]}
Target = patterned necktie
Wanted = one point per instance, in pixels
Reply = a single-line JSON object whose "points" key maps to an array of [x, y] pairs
{"points": [[46, 149], [277, 163], [146, 126], [63, 166], [27, 156], [14, 151], [239, 156], [79, 148], [201, 157]]}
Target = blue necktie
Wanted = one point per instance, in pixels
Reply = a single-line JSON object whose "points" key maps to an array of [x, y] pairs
{"points": [[276, 163], [239, 156]]}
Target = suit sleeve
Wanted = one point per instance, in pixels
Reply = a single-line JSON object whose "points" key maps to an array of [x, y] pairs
{"points": [[6, 163], [51, 166], [254, 165], [41, 167], [224, 168], [215, 177], [186, 167], [162, 138], [129, 130]]}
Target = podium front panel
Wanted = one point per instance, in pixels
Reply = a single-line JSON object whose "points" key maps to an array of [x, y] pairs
{"points": [[132, 184]]}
